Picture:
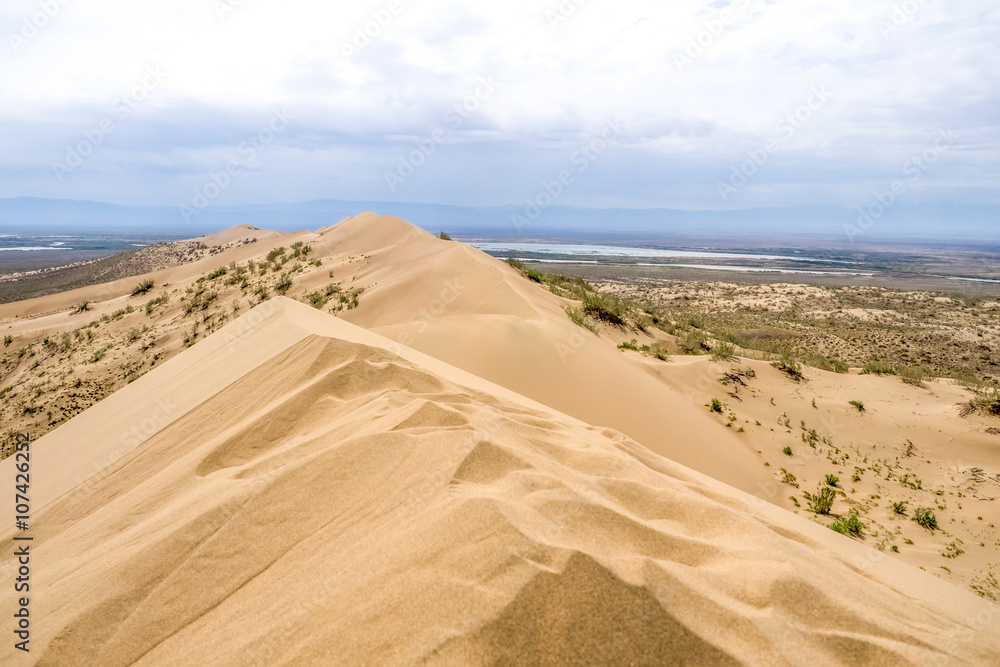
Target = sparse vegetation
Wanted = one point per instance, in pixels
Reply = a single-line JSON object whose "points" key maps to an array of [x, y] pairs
{"points": [[851, 526], [877, 368], [924, 516], [81, 308], [444, 237], [715, 406], [723, 351], [832, 480], [899, 508], [858, 405], [822, 502], [142, 288], [284, 284]]}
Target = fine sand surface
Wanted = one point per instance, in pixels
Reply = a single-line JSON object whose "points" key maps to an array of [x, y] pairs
{"points": [[454, 472], [320, 494]]}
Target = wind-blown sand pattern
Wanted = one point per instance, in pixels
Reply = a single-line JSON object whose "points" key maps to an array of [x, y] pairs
{"points": [[348, 501]]}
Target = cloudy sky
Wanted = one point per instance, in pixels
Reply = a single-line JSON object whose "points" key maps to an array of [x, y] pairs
{"points": [[633, 103]]}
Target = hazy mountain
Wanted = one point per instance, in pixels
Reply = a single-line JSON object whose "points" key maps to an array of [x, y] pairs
{"points": [[901, 222]]}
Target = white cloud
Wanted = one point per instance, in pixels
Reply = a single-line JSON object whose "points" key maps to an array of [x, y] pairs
{"points": [[562, 69]]}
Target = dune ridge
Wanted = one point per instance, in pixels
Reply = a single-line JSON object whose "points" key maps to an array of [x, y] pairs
{"points": [[341, 499]]}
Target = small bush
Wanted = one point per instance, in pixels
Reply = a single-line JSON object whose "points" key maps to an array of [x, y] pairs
{"points": [[81, 308], [859, 405], [899, 508], [153, 303], [924, 516], [444, 237], [696, 342], [605, 307], [851, 526], [275, 254], [578, 317], [878, 368], [142, 287], [631, 345], [912, 375], [715, 406], [218, 273], [7, 340], [660, 352], [824, 364], [723, 351], [832, 480], [790, 366], [284, 284], [787, 451], [822, 502]]}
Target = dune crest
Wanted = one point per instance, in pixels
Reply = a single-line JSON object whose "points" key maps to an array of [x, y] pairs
{"points": [[346, 501]]}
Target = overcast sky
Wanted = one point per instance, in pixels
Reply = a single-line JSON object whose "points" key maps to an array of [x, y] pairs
{"points": [[698, 105]]}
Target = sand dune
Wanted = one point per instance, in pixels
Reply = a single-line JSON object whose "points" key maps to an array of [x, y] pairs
{"points": [[340, 499], [460, 305]]}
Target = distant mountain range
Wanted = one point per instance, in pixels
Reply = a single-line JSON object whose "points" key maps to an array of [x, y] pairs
{"points": [[901, 222]]}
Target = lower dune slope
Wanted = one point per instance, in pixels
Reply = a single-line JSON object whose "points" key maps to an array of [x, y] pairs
{"points": [[344, 504]]}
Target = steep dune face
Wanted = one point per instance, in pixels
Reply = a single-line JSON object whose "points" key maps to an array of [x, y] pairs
{"points": [[339, 503], [462, 306]]}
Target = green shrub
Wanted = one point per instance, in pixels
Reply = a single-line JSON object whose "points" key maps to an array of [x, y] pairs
{"points": [[878, 368], [275, 254], [787, 451], [444, 237], [832, 480], [158, 301], [859, 405], [824, 364], [924, 516], [899, 508], [660, 352], [605, 307], [723, 351], [142, 287], [218, 273], [716, 406], [7, 340], [284, 284], [822, 502], [81, 308], [631, 345], [851, 526], [578, 317], [912, 375], [696, 342]]}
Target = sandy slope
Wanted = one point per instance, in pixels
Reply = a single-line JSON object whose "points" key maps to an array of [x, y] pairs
{"points": [[460, 305], [320, 499]]}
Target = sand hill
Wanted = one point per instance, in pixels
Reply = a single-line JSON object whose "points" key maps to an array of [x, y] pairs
{"points": [[435, 464], [316, 494]]}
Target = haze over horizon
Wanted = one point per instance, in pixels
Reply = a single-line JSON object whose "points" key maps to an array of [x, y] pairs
{"points": [[708, 106]]}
